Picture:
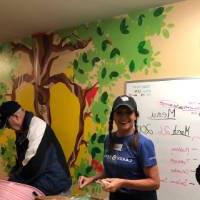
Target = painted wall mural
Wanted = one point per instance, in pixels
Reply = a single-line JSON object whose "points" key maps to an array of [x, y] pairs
{"points": [[86, 62]]}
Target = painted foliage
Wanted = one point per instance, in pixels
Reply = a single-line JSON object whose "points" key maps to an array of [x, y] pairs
{"points": [[104, 53]]}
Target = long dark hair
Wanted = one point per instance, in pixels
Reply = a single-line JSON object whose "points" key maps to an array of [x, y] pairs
{"points": [[110, 128]]}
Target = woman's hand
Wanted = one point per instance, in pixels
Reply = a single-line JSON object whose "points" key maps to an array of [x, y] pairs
{"points": [[84, 181], [111, 184]]}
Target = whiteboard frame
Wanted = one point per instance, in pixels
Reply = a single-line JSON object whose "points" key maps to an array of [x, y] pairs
{"points": [[162, 79], [160, 191]]}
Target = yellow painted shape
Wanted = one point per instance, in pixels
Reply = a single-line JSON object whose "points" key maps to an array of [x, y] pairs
{"points": [[6, 133], [83, 153], [89, 128], [69, 71], [65, 116], [25, 96]]}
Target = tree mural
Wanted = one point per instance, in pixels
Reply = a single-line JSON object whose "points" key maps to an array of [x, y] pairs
{"points": [[8, 64], [43, 50], [119, 48], [106, 52]]}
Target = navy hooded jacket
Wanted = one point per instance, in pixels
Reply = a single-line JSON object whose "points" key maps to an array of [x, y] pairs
{"points": [[40, 159]]}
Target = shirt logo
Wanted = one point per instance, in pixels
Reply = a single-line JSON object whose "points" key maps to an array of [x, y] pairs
{"points": [[118, 147], [120, 158], [114, 157]]}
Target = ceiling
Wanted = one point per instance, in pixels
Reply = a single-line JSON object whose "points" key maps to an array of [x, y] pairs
{"points": [[19, 18]]}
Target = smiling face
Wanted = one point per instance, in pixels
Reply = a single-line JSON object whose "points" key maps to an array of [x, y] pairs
{"points": [[125, 120]]}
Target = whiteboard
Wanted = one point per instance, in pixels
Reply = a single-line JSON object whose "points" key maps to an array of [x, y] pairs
{"points": [[170, 115]]}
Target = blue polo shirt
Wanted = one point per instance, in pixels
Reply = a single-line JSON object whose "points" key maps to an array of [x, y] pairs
{"points": [[126, 163]]}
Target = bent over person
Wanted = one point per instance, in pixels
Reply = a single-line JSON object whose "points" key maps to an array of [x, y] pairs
{"points": [[40, 159]]}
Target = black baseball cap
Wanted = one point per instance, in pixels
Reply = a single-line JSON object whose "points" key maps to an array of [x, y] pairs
{"points": [[197, 174], [125, 100], [7, 109]]}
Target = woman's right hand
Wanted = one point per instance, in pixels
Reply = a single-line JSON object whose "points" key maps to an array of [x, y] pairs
{"points": [[84, 181]]}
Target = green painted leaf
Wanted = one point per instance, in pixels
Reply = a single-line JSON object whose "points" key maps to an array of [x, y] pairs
{"points": [[113, 74], [103, 73], [140, 19], [99, 31], [3, 150], [132, 66], [94, 60], [114, 52], [104, 44], [168, 9], [75, 64], [80, 71], [79, 174], [145, 61], [85, 58], [165, 33], [159, 11], [104, 97], [105, 111], [101, 139], [127, 76], [157, 64], [97, 119], [157, 53], [124, 27], [141, 48], [170, 25], [8, 166], [93, 138], [88, 169], [95, 150]]}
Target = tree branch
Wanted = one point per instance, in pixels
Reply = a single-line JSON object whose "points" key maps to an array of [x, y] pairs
{"points": [[70, 46], [21, 47], [47, 68], [87, 114], [60, 78], [17, 82]]}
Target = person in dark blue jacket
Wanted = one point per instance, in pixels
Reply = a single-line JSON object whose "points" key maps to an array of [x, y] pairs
{"points": [[40, 159], [130, 165]]}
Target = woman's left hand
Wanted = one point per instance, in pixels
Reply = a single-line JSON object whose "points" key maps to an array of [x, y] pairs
{"points": [[111, 184]]}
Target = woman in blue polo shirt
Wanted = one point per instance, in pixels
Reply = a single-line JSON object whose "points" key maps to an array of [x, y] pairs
{"points": [[130, 166]]}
